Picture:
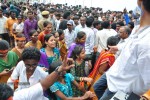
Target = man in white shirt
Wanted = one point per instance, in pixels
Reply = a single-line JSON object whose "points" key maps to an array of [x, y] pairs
{"points": [[123, 34], [103, 35], [3, 31], [131, 71], [70, 34], [89, 43], [20, 71], [57, 21], [81, 26], [35, 92]]}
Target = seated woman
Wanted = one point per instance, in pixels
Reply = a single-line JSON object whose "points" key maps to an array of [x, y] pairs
{"points": [[8, 60], [49, 53], [62, 87], [20, 44], [104, 62], [34, 40], [27, 70]]}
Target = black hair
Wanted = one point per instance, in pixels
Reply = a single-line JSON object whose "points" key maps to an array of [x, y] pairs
{"points": [[76, 52], [106, 24], [80, 35], [76, 18], [131, 24], [53, 32], [95, 23], [30, 12], [89, 22], [146, 4], [19, 36], [58, 15], [32, 32], [60, 32], [4, 45], [20, 16], [113, 26], [66, 14], [51, 10], [46, 38], [31, 53], [45, 23], [54, 65], [121, 23], [5, 91], [112, 41]]}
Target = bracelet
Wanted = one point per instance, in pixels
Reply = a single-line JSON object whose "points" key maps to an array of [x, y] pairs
{"points": [[56, 70]]}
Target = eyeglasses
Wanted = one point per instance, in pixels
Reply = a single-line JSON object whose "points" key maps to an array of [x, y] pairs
{"points": [[32, 65]]}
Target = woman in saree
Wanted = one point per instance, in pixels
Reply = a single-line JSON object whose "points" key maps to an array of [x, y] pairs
{"points": [[103, 63], [8, 60]]}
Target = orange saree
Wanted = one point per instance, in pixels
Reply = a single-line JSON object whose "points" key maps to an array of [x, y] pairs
{"points": [[105, 57]]}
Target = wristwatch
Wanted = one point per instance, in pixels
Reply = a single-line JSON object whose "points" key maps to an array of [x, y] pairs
{"points": [[56, 70]]}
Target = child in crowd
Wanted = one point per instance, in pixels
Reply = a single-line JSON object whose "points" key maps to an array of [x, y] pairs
{"points": [[62, 88], [80, 71], [80, 40], [56, 35]]}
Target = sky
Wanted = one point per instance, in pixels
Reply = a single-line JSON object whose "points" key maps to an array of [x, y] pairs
{"points": [[116, 5]]}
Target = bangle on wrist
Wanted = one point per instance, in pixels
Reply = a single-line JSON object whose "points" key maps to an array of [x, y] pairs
{"points": [[57, 70]]}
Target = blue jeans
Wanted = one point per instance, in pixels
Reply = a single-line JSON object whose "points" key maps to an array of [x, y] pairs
{"points": [[100, 88]]}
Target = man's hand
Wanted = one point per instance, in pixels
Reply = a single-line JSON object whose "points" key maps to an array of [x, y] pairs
{"points": [[67, 64]]}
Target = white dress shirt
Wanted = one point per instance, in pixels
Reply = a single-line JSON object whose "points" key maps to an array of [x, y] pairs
{"points": [[20, 71], [2, 25], [79, 28], [102, 36], [34, 92], [131, 71], [18, 27], [89, 43], [69, 37]]}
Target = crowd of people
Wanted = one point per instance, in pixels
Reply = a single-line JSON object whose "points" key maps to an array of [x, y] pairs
{"points": [[60, 52]]}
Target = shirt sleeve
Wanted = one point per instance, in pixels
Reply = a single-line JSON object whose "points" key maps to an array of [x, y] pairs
{"points": [[14, 26], [143, 63], [35, 92], [71, 77], [97, 39], [54, 88], [42, 73], [16, 72], [25, 29], [92, 41]]}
